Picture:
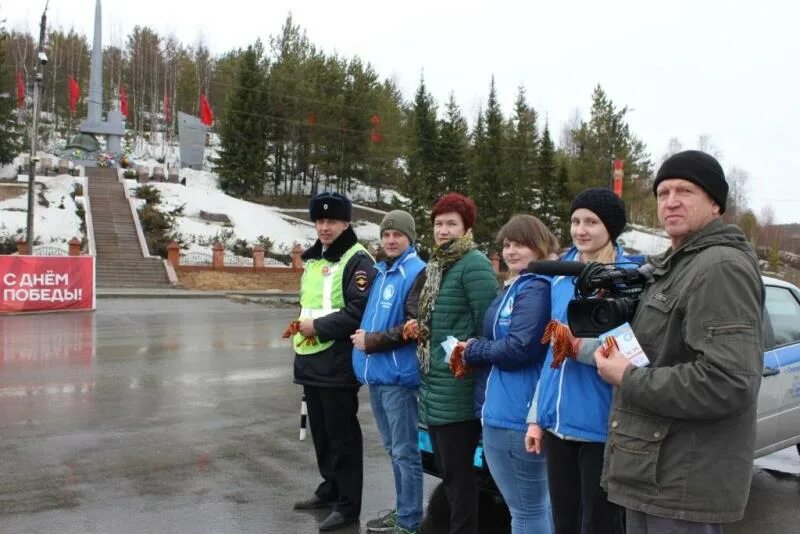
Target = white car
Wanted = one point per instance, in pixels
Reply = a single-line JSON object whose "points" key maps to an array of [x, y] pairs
{"points": [[779, 396]]}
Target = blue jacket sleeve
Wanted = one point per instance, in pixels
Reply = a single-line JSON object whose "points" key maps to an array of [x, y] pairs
{"points": [[522, 346]]}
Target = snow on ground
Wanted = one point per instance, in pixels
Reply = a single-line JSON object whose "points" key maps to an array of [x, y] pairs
{"points": [[367, 231], [644, 240], [249, 221], [8, 171], [57, 223], [364, 193]]}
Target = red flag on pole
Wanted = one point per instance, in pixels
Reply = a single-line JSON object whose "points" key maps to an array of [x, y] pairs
{"points": [[618, 175], [375, 136], [20, 89], [206, 115], [123, 101], [166, 108], [74, 94]]}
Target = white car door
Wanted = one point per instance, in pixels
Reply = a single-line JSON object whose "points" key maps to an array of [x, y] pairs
{"points": [[779, 396]]}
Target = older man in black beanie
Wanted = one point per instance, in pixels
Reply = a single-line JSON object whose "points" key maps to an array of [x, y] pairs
{"points": [[682, 430], [333, 294]]}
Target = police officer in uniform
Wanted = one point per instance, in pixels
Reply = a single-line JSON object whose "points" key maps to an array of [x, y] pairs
{"points": [[333, 294]]}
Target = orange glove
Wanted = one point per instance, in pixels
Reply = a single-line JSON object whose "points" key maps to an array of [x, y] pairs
{"points": [[457, 364], [564, 344]]}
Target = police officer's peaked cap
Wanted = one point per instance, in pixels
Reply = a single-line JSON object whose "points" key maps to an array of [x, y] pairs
{"points": [[330, 206]]}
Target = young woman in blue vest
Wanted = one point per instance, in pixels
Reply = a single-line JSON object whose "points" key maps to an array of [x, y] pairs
{"points": [[387, 363], [571, 403], [460, 284], [511, 347]]}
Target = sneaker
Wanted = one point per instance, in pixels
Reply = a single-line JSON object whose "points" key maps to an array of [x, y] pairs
{"points": [[383, 523]]}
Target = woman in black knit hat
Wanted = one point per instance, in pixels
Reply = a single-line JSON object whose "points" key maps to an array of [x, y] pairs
{"points": [[569, 412]]}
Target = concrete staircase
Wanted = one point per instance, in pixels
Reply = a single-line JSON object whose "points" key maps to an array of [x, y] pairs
{"points": [[119, 262]]}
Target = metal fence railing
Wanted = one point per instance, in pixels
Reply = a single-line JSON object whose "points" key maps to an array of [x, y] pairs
{"points": [[49, 250], [231, 259], [197, 258], [272, 262]]}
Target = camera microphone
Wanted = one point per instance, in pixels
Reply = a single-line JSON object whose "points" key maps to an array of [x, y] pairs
{"points": [[593, 275], [556, 268]]}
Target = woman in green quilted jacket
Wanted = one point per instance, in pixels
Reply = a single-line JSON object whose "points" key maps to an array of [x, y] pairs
{"points": [[460, 284]]}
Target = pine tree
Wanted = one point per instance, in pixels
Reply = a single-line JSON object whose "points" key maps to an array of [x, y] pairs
{"points": [[603, 139], [10, 141], [548, 186], [477, 155], [561, 219], [326, 123], [243, 133], [489, 187], [454, 147], [290, 49], [360, 92], [423, 186], [387, 148], [523, 179]]}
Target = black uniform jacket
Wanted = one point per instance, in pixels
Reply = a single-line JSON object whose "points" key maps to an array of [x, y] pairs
{"points": [[333, 367]]}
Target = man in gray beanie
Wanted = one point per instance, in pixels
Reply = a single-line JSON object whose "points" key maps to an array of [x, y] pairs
{"points": [[387, 363], [687, 421]]}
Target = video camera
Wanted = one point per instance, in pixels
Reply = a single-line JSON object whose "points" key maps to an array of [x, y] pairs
{"points": [[605, 295]]}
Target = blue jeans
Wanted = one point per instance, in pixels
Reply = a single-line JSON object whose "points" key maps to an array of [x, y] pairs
{"points": [[395, 411], [521, 477]]}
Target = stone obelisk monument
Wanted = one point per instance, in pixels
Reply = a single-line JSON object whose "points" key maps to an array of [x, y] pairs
{"points": [[113, 128]]}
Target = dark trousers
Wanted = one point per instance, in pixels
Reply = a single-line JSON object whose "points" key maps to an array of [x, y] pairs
{"points": [[580, 505], [453, 451], [332, 416]]}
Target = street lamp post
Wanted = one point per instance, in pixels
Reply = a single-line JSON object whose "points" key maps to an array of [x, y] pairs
{"points": [[41, 58]]}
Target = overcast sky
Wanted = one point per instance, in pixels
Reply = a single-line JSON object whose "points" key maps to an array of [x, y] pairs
{"points": [[686, 68]]}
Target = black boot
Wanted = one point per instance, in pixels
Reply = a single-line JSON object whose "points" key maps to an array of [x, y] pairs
{"points": [[313, 503]]}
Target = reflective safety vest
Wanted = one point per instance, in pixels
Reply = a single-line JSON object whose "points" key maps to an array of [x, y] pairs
{"points": [[321, 294]]}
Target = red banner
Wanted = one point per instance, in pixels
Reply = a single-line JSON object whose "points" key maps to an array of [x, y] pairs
{"points": [[46, 283], [74, 93], [20, 90], [123, 101], [618, 175], [206, 114]]}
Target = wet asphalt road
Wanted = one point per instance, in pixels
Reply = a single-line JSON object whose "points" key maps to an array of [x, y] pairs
{"points": [[180, 416]]}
